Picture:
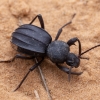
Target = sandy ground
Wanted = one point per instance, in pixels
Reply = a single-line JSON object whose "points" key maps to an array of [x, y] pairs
{"points": [[85, 26]]}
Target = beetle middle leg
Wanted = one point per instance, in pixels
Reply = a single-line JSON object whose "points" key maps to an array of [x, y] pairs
{"points": [[72, 42], [30, 70], [17, 56]]}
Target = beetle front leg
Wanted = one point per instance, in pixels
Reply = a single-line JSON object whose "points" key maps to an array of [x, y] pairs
{"points": [[72, 42], [68, 71], [16, 56]]}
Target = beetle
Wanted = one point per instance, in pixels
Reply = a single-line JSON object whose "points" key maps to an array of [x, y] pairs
{"points": [[36, 42]]}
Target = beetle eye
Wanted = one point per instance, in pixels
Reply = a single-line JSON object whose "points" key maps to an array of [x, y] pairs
{"points": [[72, 60]]}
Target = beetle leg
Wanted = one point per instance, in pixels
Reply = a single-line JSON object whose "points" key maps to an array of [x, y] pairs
{"points": [[72, 42], [68, 71], [40, 20], [16, 56], [31, 69], [60, 30]]}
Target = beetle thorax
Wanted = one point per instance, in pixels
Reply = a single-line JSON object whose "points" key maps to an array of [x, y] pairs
{"points": [[57, 51]]}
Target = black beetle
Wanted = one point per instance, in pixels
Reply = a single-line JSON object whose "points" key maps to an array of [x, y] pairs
{"points": [[37, 43]]}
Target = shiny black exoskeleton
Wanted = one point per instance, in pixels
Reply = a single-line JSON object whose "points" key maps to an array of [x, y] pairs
{"points": [[37, 43]]}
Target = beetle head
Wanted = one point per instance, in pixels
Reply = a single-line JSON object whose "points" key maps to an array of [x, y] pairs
{"points": [[73, 60]]}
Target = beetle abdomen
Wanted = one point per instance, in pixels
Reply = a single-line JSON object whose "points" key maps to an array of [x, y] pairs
{"points": [[31, 38]]}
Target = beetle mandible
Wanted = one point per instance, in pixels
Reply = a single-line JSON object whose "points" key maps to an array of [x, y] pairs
{"points": [[37, 43]]}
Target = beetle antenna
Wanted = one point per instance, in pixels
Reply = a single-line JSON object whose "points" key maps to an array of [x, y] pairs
{"points": [[60, 30], [89, 49]]}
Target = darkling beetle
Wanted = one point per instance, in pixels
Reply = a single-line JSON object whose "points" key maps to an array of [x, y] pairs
{"points": [[37, 43]]}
